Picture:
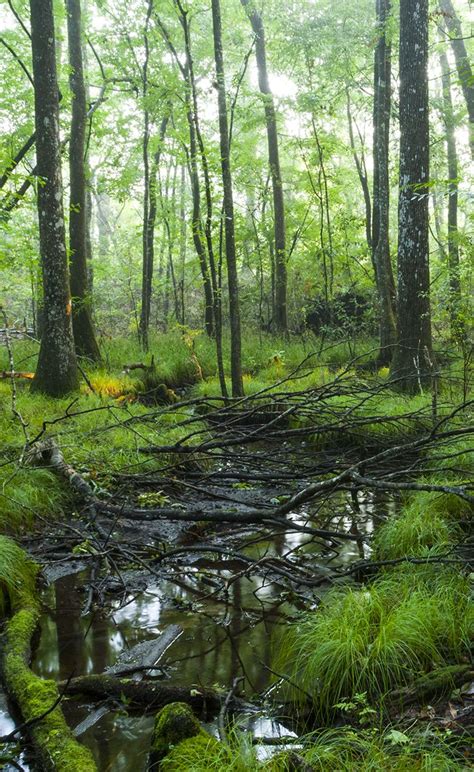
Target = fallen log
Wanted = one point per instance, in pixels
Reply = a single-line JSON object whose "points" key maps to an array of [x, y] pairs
{"points": [[145, 694], [432, 686], [145, 654], [9, 374], [48, 454]]}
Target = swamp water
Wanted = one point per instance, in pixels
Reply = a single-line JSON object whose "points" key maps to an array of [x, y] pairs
{"points": [[224, 636]]}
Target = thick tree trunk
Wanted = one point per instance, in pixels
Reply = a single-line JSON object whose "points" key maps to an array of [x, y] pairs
{"points": [[56, 371], [84, 335], [463, 65], [381, 193], [281, 318], [231, 258], [453, 246], [411, 364]]}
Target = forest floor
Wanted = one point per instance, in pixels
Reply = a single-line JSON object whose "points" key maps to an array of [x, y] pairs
{"points": [[294, 565]]}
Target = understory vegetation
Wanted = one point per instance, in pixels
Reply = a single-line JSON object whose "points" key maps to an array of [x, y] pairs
{"points": [[347, 660]]}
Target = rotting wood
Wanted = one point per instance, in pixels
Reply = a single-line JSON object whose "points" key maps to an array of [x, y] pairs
{"points": [[146, 694]]}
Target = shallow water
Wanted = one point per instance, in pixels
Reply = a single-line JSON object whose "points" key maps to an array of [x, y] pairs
{"points": [[225, 635]]}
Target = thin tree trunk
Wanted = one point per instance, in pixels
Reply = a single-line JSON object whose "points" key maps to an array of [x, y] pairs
{"points": [[56, 371], [463, 65], [147, 259], [412, 361], [453, 236], [230, 251], [83, 328], [381, 187], [281, 315]]}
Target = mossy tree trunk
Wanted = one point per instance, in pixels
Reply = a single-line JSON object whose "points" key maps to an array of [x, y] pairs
{"points": [[412, 361], [83, 327], [56, 371]]}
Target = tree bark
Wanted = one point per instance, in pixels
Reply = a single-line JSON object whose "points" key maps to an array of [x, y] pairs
{"points": [[412, 361], [281, 316], [463, 65], [231, 258], [215, 287], [147, 258], [83, 328], [56, 371], [454, 301], [381, 187]]}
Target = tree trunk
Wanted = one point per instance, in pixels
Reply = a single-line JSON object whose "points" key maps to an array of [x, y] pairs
{"points": [[84, 335], [411, 365], [281, 318], [56, 372], [381, 192], [463, 65], [231, 258], [215, 288], [147, 259], [454, 302]]}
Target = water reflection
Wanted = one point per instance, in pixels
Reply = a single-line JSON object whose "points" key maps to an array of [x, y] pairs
{"points": [[221, 640]]}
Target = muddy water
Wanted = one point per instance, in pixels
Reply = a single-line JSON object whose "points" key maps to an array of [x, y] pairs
{"points": [[224, 635]]}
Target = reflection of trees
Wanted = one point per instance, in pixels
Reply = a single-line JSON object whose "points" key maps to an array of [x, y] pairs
{"points": [[69, 628]]}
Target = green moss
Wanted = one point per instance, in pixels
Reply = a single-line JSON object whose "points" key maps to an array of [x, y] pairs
{"points": [[54, 742], [173, 724]]}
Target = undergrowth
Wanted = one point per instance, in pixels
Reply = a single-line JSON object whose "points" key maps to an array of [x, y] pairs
{"points": [[379, 637]]}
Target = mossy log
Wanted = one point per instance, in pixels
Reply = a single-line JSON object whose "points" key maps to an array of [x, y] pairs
{"points": [[173, 724], [146, 694], [432, 686], [56, 748]]}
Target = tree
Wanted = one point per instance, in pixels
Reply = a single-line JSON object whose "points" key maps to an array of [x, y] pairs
{"points": [[281, 315], [412, 361], [381, 186], [454, 301], [463, 65], [147, 236], [56, 371], [234, 309], [83, 328]]}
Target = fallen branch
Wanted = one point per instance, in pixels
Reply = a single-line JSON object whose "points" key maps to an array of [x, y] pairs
{"points": [[146, 694]]}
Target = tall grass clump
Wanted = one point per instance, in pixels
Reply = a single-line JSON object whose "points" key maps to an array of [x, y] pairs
{"points": [[17, 573], [347, 750], [419, 530], [378, 638]]}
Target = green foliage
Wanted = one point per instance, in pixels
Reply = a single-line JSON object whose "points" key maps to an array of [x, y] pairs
{"points": [[419, 529], [348, 750], [378, 638]]}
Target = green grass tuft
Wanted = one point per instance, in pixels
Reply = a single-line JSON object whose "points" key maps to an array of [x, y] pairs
{"points": [[378, 638]]}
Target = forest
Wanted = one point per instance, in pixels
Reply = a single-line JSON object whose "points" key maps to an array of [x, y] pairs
{"points": [[236, 385]]}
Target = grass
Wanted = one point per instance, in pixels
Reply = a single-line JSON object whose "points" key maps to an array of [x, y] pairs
{"points": [[98, 435], [426, 524], [347, 750], [378, 638], [17, 573], [339, 750]]}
